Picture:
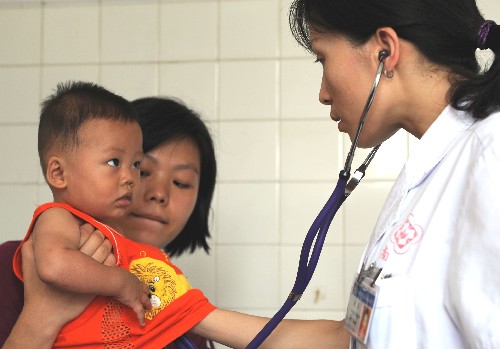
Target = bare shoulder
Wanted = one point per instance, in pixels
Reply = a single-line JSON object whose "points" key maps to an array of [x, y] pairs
{"points": [[58, 221]]}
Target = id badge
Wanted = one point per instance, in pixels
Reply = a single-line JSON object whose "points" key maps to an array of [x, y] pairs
{"points": [[360, 308]]}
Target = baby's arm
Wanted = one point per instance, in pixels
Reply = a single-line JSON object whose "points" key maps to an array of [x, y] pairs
{"points": [[236, 330], [59, 262], [33, 328]]}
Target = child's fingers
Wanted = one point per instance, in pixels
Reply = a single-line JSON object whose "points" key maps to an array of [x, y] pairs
{"points": [[146, 297], [144, 305], [139, 310]]}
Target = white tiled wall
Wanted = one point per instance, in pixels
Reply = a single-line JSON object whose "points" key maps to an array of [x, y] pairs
{"points": [[236, 63]]}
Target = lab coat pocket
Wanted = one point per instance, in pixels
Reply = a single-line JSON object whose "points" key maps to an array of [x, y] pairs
{"points": [[393, 325]]}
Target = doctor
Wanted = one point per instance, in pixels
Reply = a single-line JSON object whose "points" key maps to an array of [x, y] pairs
{"points": [[429, 276]]}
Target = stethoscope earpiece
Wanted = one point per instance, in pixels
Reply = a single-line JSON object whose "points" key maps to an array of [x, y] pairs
{"points": [[383, 55]]}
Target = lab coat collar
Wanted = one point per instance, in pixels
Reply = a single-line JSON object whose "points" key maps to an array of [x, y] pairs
{"points": [[435, 144], [426, 155]]}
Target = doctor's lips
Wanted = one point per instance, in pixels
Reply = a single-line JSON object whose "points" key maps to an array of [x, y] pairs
{"points": [[335, 117]]}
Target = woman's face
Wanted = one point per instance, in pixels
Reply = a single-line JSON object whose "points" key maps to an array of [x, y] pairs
{"points": [[170, 177], [348, 74]]}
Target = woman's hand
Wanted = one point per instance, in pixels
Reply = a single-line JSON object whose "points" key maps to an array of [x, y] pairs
{"points": [[47, 309], [63, 306], [94, 244]]}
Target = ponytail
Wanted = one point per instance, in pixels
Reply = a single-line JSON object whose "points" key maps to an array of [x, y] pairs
{"points": [[479, 94]]}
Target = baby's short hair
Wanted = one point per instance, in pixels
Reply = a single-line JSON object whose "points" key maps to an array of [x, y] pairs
{"points": [[72, 104]]}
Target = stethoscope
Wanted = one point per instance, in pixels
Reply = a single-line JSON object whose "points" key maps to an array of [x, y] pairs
{"points": [[319, 228]]}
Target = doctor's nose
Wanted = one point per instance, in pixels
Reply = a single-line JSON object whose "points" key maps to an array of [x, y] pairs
{"points": [[324, 98]]}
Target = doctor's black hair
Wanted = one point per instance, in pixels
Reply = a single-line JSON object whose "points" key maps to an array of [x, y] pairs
{"points": [[166, 119], [444, 31]]}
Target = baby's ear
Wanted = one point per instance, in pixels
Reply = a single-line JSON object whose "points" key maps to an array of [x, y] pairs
{"points": [[54, 174]]}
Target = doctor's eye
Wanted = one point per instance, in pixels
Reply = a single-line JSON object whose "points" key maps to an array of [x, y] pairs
{"points": [[114, 162]]}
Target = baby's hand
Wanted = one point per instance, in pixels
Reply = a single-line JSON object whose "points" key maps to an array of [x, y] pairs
{"points": [[134, 294]]}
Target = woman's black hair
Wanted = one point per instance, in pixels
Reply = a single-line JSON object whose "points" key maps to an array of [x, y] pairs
{"points": [[444, 31], [166, 119]]}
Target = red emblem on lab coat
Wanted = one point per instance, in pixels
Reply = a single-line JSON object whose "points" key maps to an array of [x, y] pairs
{"points": [[406, 235]]}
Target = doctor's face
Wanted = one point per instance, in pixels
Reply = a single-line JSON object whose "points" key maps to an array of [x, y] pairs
{"points": [[348, 73], [170, 177]]}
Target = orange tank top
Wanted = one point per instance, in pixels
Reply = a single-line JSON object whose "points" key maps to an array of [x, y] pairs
{"points": [[106, 323]]}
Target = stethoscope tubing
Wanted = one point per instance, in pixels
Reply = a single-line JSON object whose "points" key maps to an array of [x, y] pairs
{"points": [[183, 342], [306, 265], [369, 101], [319, 228]]}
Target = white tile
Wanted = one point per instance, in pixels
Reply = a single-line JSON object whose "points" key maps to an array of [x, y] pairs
{"points": [[247, 151], [323, 291], [248, 213], [17, 204], [199, 268], [362, 208], [20, 94], [131, 80], [248, 29], [54, 74], [299, 205], [490, 9], [388, 161], [19, 151], [195, 83], [66, 2], [220, 346], [299, 88], [289, 46], [188, 31], [213, 221], [20, 37], [247, 276], [43, 193], [71, 34], [129, 32], [248, 90], [309, 150]]}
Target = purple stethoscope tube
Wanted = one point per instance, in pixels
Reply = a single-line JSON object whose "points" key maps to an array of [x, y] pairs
{"points": [[317, 233], [183, 342], [319, 228]]}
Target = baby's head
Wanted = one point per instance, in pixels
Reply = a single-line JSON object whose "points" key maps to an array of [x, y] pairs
{"points": [[90, 148]]}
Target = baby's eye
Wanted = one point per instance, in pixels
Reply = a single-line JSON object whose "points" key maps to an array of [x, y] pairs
{"points": [[114, 162], [136, 165]]}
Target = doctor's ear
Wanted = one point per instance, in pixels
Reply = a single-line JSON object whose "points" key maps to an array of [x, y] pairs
{"points": [[54, 174], [387, 41]]}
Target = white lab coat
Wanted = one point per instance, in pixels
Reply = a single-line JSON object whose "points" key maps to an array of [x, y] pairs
{"points": [[438, 240]]}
